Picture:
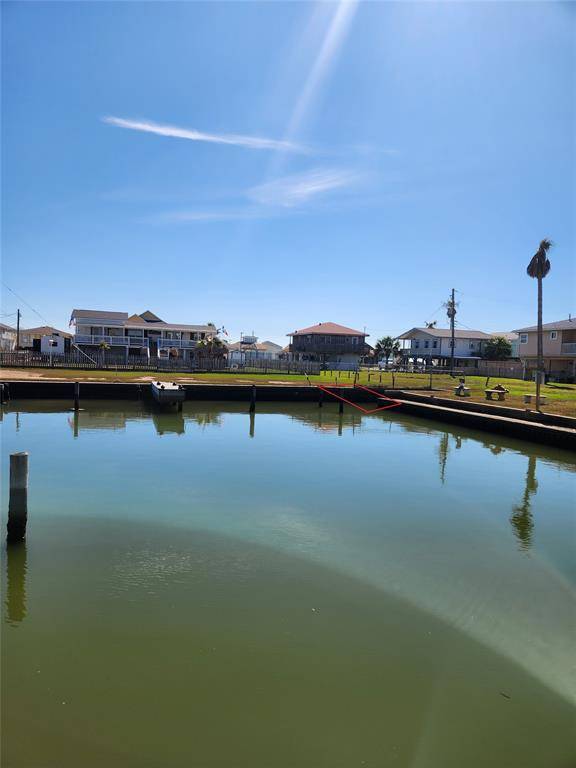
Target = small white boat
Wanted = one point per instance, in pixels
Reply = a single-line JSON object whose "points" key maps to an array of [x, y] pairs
{"points": [[168, 393]]}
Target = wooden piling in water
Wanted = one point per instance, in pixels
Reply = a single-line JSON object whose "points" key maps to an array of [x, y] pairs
{"points": [[320, 398], [18, 503], [253, 399], [1, 394], [340, 406], [76, 395]]}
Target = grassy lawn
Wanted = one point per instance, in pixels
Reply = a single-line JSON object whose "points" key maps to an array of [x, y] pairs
{"points": [[561, 398]]}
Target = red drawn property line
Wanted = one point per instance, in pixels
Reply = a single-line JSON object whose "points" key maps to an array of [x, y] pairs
{"points": [[367, 411], [380, 395]]}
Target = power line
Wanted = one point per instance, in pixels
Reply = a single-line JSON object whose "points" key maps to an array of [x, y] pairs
{"points": [[25, 302]]}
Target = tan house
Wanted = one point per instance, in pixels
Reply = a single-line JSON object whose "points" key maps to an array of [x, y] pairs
{"points": [[559, 347]]}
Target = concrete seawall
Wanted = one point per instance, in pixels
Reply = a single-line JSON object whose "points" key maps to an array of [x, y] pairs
{"points": [[558, 431]]}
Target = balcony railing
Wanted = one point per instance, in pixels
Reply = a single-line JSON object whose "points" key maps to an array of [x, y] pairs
{"points": [[177, 343], [113, 341], [328, 349], [568, 348]]}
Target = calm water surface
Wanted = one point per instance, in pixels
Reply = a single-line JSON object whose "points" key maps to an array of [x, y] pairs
{"points": [[294, 590]]}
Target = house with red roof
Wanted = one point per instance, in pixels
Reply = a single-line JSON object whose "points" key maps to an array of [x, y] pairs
{"points": [[329, 343]]}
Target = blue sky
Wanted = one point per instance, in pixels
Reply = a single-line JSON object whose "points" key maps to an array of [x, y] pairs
{"points": [[268, 166]]}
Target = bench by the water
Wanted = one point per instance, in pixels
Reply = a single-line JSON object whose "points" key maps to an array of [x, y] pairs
{"points": [[528, 398], [495, 394]]}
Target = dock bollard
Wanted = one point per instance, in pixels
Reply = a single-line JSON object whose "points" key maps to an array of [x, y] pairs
{"points": [[253, 399], [76, 395], [18, 504]]}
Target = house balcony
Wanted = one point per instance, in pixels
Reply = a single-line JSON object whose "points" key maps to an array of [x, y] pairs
{"points": [[329, 349], [568, 348], [176, 343], [112, 341]]}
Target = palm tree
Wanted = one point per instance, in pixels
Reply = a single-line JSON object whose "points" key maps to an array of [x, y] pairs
{"points": [[386, 347], [103, 346], [211, 347], [539, 267]]}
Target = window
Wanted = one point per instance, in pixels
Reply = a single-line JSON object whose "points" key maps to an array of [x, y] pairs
{"points": [[523, 338], [426, 344], [553, 335], [416, 344], [472, 345], [354, 339], [435, 344]]}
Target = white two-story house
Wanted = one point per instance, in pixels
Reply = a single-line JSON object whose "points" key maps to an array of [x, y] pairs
{"points": [[144, 334], [433, 346]]}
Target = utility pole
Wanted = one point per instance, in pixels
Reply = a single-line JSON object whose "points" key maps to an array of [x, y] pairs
{"points": [[17, 329], [451, 312]]}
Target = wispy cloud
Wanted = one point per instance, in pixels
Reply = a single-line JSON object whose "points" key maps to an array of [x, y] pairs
{"points": [[222, 215], [191, 134], [295, 190]]}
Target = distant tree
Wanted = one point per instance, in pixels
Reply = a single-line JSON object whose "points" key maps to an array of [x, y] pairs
{"points": [[386, 347], [538, 268], [211, 346], [498, 348]]}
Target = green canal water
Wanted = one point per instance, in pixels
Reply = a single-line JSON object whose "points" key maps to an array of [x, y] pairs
{"points": [[296, 590]]}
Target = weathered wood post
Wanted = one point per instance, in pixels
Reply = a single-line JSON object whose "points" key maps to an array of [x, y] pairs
{"points": [[340, 406], [253, 399], [16, 582], [320, 398], [380, 380], [393, 385], [430, 379], [76, 395], [252, 423], [18, 503]]}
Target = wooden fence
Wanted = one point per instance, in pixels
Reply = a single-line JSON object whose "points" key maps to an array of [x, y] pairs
{"points": [[110, 362]]}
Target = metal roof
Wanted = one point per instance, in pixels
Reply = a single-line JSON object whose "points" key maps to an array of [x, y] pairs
{"points": [[559, 325], [445, 333], [331, 329], [99, 313]]}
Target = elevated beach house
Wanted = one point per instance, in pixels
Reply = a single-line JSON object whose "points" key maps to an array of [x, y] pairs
{"points": [[129, 335], [329, 343], [7, 338], [559, 348], [433, 346]]}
